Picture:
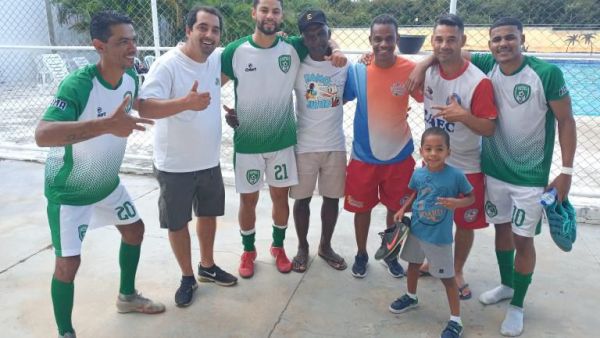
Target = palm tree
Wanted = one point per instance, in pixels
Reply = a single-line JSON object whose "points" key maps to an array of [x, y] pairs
{"points": [[587, 40], [570, 40]]}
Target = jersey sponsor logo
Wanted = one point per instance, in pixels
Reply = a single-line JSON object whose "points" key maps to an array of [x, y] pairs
{"points": [[563, 90], [252, 176], [470, 215], [398, 89], [456, 98], [58, 103], [521, 92], [490, 209], [430, 120], [250, 68], [285, 62], [100, 113], [130, 104], [428, 93], [82, 229]]}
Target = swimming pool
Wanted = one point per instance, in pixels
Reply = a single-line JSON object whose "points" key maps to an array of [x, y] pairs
{"points": [[583, 81]]}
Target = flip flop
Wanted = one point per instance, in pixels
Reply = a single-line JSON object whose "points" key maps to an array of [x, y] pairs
{"points": [[299, 263], [464, 295], [335, 261]]}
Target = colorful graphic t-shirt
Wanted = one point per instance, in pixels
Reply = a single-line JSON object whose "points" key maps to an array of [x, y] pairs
{"points": [[381, 131], [86, 172], [263, 81], [432, 223], [473, 91], [520, 151], [319, 106]]}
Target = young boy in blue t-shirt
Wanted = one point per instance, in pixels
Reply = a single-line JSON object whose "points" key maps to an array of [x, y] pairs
{"points": [[438, 190]]}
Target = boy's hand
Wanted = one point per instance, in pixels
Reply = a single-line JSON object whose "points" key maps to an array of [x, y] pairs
{"points": [[231, 117], [449, 202]]}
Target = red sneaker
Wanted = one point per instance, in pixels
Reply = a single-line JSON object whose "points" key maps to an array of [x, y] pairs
{"points": [[246, 269], [281, 261]]}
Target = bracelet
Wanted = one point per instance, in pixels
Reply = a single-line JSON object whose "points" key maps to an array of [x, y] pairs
{"points": [[566, 171]]}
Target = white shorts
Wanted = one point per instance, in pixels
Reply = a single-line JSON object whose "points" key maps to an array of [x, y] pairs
{"points": [[69, 223], [328, 166], [278, 168], [505, 202], [439, 257]]}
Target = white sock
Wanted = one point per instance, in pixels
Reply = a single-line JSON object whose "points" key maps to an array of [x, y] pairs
{"points": [[283, 227], [412, 295], [512, 325], [247, 232], [496, 294], [456, 319]]}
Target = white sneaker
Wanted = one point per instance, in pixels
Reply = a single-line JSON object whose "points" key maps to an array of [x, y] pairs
{"points": [[512, 326], [137, 303], [496, 295]]}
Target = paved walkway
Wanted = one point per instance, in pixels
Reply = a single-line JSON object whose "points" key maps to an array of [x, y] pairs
{"points": [[563, 300]]}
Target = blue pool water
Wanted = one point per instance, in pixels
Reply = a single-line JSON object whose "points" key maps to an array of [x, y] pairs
{"points": [[583, 80]]}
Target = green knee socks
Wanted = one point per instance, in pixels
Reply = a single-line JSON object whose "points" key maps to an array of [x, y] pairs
{"points": [[506, 263], [520, 284], [248, 239], [62, 301], [129, 256], [278, 235]]}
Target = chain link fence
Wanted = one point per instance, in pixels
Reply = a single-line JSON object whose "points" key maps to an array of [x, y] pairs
{"points": [[35, 57]]}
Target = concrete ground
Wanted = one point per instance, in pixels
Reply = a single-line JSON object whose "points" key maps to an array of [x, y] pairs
{"points": [[563, 300]]}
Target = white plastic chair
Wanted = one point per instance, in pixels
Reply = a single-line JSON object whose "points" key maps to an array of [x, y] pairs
{"points": [[80, 62], [149, 60], [52, 69]]}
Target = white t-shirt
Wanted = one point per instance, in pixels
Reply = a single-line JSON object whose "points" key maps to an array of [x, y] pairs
{"points": [[190, 140], [473, 91], [319, 92]]}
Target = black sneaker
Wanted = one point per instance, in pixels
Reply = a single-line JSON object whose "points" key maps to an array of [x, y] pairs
{"points": [[359, 268], [403, 304], [185, 294], [214, 274], [452, 330], [392, 238], [393, 267]]}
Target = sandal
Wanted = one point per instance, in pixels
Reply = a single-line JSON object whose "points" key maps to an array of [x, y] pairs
{"points": [[334, 260], [464, 292]]}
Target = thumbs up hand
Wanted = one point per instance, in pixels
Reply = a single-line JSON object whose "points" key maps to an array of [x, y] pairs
{"points": [[197, 101]]}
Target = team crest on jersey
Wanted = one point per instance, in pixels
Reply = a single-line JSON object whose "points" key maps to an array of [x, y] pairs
{"points": [[217, 81], [252, 176], [522, 93], [82, 229], [470, 215], [490, 209], [130, 104], [285, 62]]}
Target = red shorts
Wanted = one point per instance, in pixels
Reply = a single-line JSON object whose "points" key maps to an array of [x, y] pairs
{"points": [[368, 184], [473, 216]]}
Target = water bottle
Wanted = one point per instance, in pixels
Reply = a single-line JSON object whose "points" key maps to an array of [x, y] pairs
{"points": [[548, 197]]}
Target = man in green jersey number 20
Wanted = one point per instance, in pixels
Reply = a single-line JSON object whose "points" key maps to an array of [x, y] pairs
{"points": [[86, 127]]}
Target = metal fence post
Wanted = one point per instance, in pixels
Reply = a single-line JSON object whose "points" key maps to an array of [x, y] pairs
{"points": [[453, 6], [155, 31]]}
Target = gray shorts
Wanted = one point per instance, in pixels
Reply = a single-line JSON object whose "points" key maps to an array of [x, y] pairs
{"points": [[440, 257], [179, 192]]}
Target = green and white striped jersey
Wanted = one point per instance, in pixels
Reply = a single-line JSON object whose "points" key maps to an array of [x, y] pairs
{"points": [[86, 172], [263, 79], [520, 151]]}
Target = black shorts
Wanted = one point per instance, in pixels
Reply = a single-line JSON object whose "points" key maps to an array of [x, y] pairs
{"points": [[179, 192]]}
